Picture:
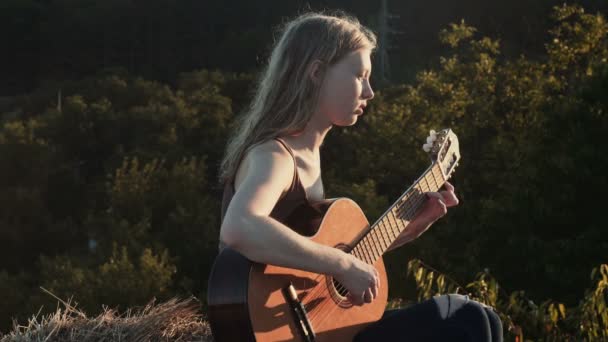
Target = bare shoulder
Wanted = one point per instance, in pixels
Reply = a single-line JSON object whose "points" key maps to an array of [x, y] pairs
{"points": [[271, 148], [268, 159], [264, 174]]}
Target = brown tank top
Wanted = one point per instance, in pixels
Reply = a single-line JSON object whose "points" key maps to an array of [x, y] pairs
{"points": [[294, 198]]}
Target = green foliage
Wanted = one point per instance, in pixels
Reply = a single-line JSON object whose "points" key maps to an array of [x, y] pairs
{"points": [[120, 161], [110, 195], [168, 204], [456, 33], [579, 41], [548, 321], [529, 132], [593, 308], [122, 279]]}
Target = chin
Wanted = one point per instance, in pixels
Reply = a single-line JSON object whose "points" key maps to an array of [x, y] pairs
{"points": [[346, 123], [346, 120]]}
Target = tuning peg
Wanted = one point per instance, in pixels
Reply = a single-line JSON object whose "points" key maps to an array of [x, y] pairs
{"points": [[430, 139], [433, 133], [426, 148]]}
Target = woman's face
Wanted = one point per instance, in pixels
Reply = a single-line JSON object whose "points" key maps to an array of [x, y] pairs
{"points": [[346, 89]]}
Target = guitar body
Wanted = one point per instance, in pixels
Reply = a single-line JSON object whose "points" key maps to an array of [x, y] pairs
{"points": [[246, 301]]}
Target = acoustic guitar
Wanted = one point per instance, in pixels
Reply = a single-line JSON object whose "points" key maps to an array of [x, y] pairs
{"points": [[249, 301]]}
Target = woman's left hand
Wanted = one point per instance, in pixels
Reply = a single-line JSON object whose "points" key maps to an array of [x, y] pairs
{"points": [[434, 208], [437, 204]]}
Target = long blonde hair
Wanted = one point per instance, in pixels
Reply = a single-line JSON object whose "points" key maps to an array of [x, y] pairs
{"points": [[285, 96]]}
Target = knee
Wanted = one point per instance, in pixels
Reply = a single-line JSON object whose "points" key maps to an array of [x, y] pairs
{"points": [[453, 302], [476, 308], [450, 303], [488, 319], [495, 324], [457, 302]]}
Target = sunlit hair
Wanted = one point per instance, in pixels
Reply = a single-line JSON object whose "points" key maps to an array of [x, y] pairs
{"points": [[285, 96]]}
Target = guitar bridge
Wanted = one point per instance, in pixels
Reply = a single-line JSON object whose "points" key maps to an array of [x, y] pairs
{"points": [[300, 313]]}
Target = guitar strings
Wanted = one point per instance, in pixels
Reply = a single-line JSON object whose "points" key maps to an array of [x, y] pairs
{"points": [[408, 206], [318, 318], [318, 315], [414, 204]]}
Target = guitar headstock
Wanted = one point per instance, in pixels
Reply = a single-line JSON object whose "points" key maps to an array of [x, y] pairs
{"points": [[443, 149]]}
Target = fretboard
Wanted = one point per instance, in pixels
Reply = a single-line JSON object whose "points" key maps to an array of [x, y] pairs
{"points": [[395, 220]]}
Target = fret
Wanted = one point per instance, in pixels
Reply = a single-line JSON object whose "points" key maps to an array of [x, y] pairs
{"points": [[397, 207], [373, 247], [390, 218], [404, 204], [401, 222], [398, 223], [440, 174], [427, 183], [434, 178], [416, 202], [356, 253], [385, 234], [385, 227], [390, 221], [410, 205], [437, 184], [361, 252], [381, 239], [400, 210], [367, 256], [364, 252], [365, 249], [377, 244]]}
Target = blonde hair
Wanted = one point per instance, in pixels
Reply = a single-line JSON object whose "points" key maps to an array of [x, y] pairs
{"points": [[285, 96]]}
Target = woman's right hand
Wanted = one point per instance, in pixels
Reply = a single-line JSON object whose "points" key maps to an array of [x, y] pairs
{"points": [[360, 279]]}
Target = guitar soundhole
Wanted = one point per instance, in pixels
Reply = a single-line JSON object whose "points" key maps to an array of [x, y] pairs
{"points": [[338, 293], [336, 289], [339, 288]]}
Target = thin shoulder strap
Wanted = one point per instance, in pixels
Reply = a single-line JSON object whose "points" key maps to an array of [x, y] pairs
{"points": [[295, 166]]}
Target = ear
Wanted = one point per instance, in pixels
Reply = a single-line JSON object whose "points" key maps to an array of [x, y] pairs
{"points": [[316, 71]]}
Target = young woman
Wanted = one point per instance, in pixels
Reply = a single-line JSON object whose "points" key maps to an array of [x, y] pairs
{"points": [[318, 77]]}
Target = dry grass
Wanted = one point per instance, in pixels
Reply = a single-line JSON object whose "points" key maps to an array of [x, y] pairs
{"points": [[173, 320]]}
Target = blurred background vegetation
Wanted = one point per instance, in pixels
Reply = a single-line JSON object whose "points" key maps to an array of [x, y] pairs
{"points": [[114, 116]]}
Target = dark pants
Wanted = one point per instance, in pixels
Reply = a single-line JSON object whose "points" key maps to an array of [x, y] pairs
{"points": [[461, 320]]}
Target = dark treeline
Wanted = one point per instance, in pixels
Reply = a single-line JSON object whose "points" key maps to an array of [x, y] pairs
{"points": [[45, 40], [109, 155]]}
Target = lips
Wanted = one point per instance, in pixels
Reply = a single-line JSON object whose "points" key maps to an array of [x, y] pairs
{"points": [[360, 109]]}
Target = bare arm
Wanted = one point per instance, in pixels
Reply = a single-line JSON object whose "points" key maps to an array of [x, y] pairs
{"points": [[248, 228]]}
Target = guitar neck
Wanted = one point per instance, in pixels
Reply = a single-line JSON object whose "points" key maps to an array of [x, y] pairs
{"points": [[395, 220]]}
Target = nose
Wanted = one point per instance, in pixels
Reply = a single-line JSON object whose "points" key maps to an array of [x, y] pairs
{"points": [[367, 93]]}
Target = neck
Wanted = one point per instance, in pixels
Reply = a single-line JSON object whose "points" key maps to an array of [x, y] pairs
{"points": [[311, 139]]}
